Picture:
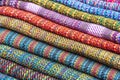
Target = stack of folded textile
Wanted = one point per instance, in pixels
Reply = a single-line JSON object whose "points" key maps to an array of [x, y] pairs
{"points": [[59, 40]]}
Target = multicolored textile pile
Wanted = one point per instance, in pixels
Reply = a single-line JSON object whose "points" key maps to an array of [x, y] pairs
{"points": [[59, 40]]}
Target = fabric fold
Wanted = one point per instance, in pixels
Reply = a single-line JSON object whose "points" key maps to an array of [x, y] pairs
{"points": [[21, 72], [42, 65], [75, 4], [89, 28], [109, 23], [44, 50], [100, 55]]}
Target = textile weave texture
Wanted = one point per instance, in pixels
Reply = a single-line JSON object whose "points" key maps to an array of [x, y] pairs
{"points": [[90, 9], [92, 29], [100, 55], [41, 64], [109, 23], [21, 72], [59, 40], [69, 59], [61, 30]]}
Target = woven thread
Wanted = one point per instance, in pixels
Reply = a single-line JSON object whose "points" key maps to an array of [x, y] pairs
{"points": [[89, 28], [41, 64], [100, 55], [90, 9], [21, 72], [44, 50], [109, 23]]}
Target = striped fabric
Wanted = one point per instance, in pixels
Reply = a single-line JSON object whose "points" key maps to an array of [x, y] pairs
{"points": [[61, 42], [6, 77], [102, 4], [41, 64], [93, 29], [44, 50], [21, 72], [109, 23], [90, 9]]}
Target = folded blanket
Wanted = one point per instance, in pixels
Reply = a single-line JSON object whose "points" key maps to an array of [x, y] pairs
{"points": [[90, 9], [109, 23], [6, 77], [21, 72], [42, 65], [93, 29], [41, 49], [61, 42]]}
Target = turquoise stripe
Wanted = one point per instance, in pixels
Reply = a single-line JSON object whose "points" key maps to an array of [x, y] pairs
{"points": [[13, 38], [1, 30], [27, 42], [73, 59], [21, 45], [90, 66], [116, 77], [55, 54], [8, 37]]}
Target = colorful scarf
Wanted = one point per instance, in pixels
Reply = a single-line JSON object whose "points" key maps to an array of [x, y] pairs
{"points": [[93, 29], [42, 65], [109, 23], [61, 42], [41, 49], [21, 72], [90, 9]]}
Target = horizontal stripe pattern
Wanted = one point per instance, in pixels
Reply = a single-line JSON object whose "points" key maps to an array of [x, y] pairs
{"points": [[93, 29], [97, 54], [90, 9], [109, 23], [21, 72], [42, 65], [44, 50]]}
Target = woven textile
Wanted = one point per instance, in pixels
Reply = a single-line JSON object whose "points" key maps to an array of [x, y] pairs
{"points": [[112, 24], [41, 64], [100, 55], [102, 4], [90, 9], [86, 8], [93, 29], [21, 72], [61, 30], [42, 49], [6, 77]]}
